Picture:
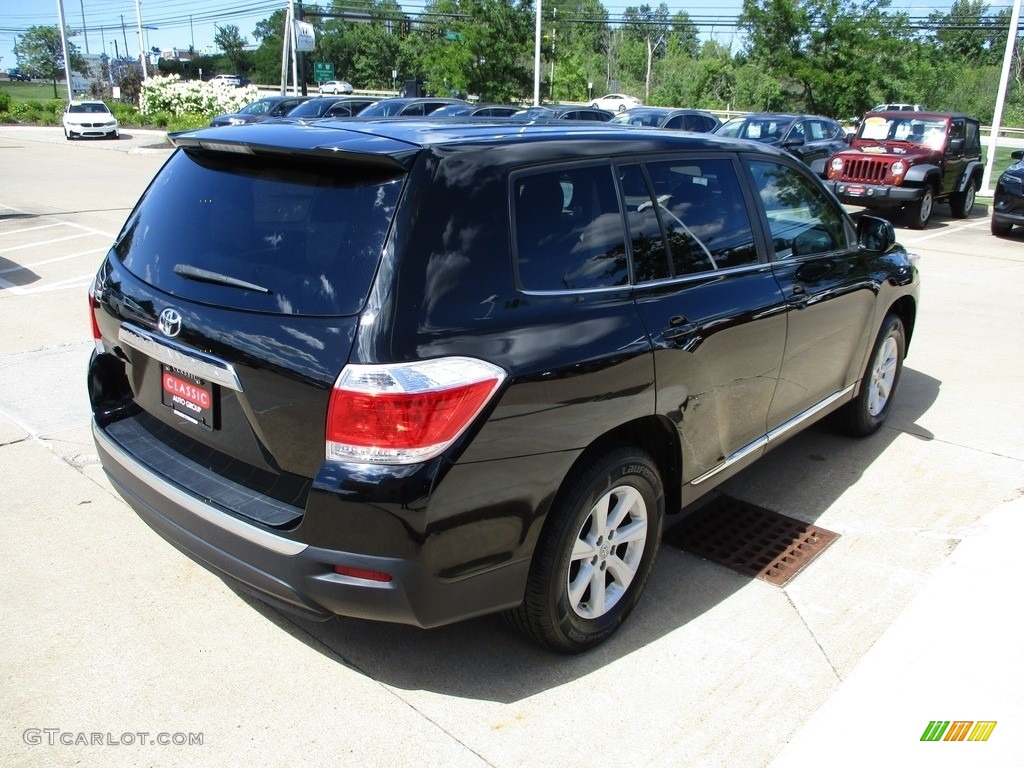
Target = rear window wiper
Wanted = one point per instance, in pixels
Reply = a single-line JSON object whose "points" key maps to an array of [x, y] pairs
{"points": [[206, 276]]}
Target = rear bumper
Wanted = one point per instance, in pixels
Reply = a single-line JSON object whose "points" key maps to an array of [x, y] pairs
{"points": [[874, 195], [292, 574]]}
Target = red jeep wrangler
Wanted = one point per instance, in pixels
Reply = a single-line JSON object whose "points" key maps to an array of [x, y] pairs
{"points": [[909, 160]]}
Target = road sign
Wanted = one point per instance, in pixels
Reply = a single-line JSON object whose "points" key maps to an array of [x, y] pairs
{"points": [[323, 71]]}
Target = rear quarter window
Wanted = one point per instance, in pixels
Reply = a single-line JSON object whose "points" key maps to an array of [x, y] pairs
{"points": [[568, 230], [290, 240]]}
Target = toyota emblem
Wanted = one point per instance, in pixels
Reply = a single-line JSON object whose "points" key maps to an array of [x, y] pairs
{"points": [[170, 322]]}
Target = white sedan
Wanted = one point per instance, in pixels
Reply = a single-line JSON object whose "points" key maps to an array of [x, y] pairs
{"points": [[89, 118], [336, 87], [616, 102]]}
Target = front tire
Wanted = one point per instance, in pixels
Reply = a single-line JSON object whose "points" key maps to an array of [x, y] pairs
{"points": [[920, 211], [962, 203], [595, 553], [999, 229], [867, 412]]}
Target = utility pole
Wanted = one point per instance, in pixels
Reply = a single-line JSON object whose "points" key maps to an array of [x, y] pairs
{"points": [[85, 29], [554, 20], [536, 56], [64, 46], [301, 55], [124, 34], [142, 55]]}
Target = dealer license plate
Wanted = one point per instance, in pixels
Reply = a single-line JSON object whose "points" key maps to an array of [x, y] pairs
{"points": [[188, 396]]}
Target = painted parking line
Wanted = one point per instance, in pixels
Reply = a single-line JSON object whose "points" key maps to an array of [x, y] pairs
{"points": [[44, 242], [31, 229], [34, 264], [78, 282], [947, 231], [39, 236]]}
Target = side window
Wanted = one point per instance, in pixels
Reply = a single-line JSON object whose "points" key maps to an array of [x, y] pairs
{"points": [[801, 219], [650, 259], [957, 130], [675, 123], [702, 210], [569, 233], [973, 143]]}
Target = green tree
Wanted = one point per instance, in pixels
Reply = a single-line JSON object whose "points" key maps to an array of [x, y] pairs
{"points": [[229, 39], [965, 33], [484, 54], [41, 54], [830, 55], [649, 27], [577, 55], [266, 59]]}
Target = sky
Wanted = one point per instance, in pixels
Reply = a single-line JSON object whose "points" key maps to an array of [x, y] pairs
{"points": [[181, 23]]}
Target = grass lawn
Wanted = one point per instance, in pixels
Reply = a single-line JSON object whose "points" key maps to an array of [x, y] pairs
{"points": [[40, 91]]}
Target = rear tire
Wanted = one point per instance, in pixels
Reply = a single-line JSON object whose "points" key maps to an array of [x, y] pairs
{"points": [[867, 412], [962, 203], [595, 553]]}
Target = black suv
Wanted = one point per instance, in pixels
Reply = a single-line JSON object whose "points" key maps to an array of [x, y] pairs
{"points": [[1008, 201], [423, 370]]}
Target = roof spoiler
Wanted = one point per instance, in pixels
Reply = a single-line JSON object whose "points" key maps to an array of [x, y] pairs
{"points": [[390, 161]]}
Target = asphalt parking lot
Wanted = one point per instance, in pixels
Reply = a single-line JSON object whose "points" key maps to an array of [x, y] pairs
{"points": [[116, 650]]}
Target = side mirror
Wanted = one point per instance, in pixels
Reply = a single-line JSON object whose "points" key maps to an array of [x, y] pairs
{"points": [[794, 142], [956, 146], [1017, 154], [875, 234]]}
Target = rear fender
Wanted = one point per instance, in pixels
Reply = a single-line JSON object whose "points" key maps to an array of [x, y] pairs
{"points": [[972, 172]]}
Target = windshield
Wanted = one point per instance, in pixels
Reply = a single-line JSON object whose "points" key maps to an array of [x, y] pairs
{"points": [[311, 108], [256, 108], [89, 108], [767, 129], [928, 132], [383, 109], [651, 119], [309, 236]]}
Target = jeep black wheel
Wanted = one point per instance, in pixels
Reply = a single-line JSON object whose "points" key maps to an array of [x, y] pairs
{"points": [[920, 211], [999, 229], [867, 412], [595, 553], [962, 203]]}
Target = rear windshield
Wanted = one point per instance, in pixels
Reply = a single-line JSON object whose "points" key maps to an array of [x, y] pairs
{"points": [[253, 234]]}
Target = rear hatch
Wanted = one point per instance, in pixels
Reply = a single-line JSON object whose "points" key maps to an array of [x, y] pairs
{"points": [[229, 302]]}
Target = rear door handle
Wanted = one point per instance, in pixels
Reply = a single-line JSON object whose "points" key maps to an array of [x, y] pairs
{"points": [[679, 327], [799, 298]]}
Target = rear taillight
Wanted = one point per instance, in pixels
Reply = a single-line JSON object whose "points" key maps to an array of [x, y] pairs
{"points": [[94, 304], [406, 412]]}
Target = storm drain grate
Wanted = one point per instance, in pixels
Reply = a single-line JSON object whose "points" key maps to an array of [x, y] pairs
{"points": [[750, 539]]}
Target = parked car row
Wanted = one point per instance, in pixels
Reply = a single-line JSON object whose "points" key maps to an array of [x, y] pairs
{"points": [[901, 159]]}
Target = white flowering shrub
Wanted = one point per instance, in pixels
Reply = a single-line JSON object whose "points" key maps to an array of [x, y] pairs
{"points": [[174, 96]]}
